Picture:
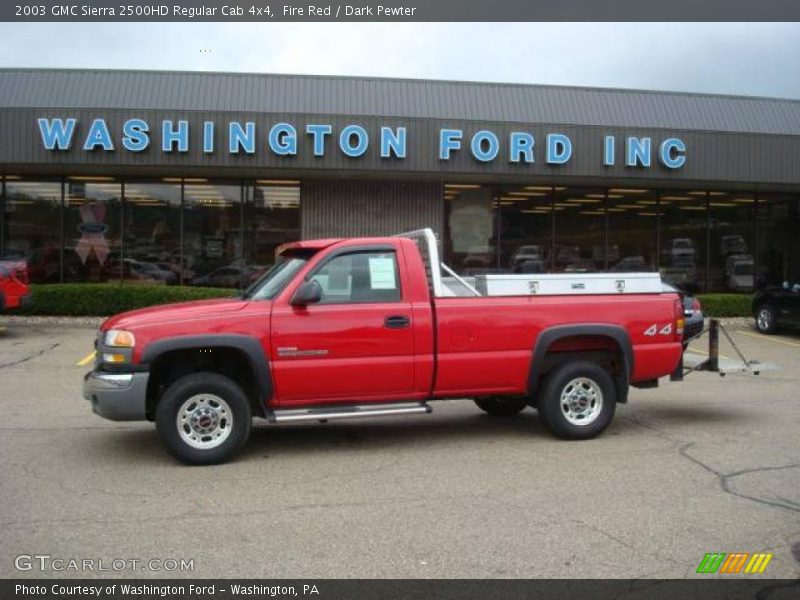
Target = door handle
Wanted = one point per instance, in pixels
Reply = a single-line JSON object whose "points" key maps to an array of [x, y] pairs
{"points": [[397, 322]]}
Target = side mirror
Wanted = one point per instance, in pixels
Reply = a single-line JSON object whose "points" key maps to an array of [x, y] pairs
{"points": [[309, 292]]}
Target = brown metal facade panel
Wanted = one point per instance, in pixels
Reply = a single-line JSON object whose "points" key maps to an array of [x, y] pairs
{"points": [[492, 102], [350, 208]]}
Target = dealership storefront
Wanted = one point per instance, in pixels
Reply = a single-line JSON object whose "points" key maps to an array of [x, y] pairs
{"points": [[196, 178]]}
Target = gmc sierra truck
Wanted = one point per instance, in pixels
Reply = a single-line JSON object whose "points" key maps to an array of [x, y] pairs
{"points": [[14, 290], [367, 327]]}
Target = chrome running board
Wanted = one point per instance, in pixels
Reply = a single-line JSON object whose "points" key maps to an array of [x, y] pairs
{"points": [[348, 412]]}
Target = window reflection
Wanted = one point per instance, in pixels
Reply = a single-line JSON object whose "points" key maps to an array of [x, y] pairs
{"points": [[525, 228], [580, 224], [272, 218], [731, 267], [778, 257], [683, 238], [632, 222], [213, 235], [227, 233], [470, 213], [152, 234], [31, 223], [92, 228]]}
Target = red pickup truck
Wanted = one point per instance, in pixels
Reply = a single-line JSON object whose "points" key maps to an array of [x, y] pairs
{"points": [[14, 290], [362, 327]]}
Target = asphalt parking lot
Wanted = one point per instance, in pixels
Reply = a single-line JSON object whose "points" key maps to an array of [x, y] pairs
{"points": [[708, 465]]}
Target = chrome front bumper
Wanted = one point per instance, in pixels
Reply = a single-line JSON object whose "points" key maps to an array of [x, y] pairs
{"points": [[117, 396]]}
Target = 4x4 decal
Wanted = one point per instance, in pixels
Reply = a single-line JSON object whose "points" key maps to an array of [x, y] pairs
{"points": [[653, 330]]}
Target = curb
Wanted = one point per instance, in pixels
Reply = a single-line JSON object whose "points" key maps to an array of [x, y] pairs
{"points": [[93, 322]]}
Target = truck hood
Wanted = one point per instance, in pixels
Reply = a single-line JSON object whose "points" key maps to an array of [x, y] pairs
{"points": [[180, 311]]}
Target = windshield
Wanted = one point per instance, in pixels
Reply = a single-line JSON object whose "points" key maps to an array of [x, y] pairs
{"points": [[275, 279], [743, 269]]}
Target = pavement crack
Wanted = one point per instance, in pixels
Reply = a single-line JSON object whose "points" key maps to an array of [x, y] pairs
{"points": [[31, 356], [624, 543], [633, 416], [725, 479]]}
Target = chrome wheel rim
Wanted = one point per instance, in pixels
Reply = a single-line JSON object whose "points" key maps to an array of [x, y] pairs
{"points": [[581, 401], [204, 421], [764, 319]]}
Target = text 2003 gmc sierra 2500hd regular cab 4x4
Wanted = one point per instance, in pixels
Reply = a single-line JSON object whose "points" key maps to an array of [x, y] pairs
{"points": [[371, 327]]}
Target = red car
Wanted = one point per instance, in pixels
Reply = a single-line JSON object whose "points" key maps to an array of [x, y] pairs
{"points": [[369, 327], [14, 290]]}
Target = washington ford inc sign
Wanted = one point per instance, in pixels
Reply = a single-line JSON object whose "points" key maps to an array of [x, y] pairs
{"points": [[351, 140]]}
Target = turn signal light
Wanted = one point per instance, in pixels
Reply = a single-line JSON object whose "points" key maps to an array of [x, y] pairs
{"points": [[114, 358], [679, 327]]}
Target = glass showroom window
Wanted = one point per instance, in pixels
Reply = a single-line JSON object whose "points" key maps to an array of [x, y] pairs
{"points": [[31, 222], [526, 215], [683, 238], [213, 235], [580, 230], [93, 206], [470, 228], [271, 218], [152, 233], [632, 223], [731, 242], [778, 256]]}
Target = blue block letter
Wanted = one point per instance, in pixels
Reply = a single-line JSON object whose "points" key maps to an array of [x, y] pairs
{"points": [[56, 135], [638, 152], [346, 137], [520, 147], [242, 138], [318, 132], [477, 146], [672, 153], [283, 139], [170, 136], [134, 135], [208, 137], [559, 149], [98, 136], [608, 151], [449, 139], [393, 142]]}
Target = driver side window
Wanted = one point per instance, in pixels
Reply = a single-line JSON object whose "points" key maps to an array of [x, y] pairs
{"points": [[359, 277]]}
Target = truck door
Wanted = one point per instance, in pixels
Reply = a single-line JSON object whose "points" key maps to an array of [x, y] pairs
{"points": [[356, 344]]}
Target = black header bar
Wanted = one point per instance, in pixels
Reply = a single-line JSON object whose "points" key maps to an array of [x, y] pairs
{"points": [[398, 11]]}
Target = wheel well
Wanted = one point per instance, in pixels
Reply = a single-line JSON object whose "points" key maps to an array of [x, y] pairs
{"points": [[602, 350], [174, 364]]}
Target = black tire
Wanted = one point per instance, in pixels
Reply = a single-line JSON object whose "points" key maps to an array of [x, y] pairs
{"points": [[766, 319], [197, 384], [556, 383], [498, 406]]}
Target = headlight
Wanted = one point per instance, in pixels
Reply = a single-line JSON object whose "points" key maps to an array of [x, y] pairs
{"points": [[119, 338]]}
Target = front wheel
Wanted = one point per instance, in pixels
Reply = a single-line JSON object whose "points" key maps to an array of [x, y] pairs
{"points": [[577, 400], [766, 319], [203, 418]]}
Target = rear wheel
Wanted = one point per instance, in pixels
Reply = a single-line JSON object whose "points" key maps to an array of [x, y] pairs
{"points": [[203, 418], [766, 319], [498, 406], [577, 400]]}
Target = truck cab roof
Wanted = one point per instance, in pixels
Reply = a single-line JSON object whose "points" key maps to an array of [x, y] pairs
{"points": [[308, 245]]}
